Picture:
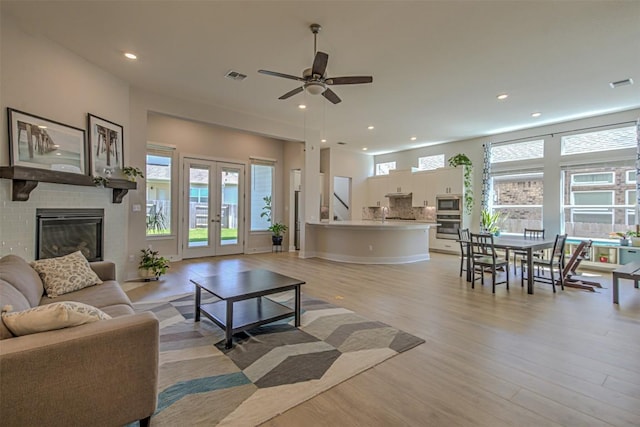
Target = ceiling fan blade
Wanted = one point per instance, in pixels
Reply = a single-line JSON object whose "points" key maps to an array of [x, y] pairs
{"points": [[331, 96], [351, 80], [292, 92], [284, 76], [320, 63]]}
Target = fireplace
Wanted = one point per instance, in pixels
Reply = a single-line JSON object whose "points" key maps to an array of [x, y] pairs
{"points": [[64, 231]]}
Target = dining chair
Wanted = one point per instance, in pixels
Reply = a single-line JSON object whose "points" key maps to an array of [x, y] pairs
{"points": [[464, 237], [485, 258], [529, 233], [555, 261]]}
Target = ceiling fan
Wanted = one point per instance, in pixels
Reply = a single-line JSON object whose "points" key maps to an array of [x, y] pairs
{"points": [[314, 79]]}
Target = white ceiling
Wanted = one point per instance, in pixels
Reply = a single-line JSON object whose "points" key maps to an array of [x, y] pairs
{"points": [[437, 66]]}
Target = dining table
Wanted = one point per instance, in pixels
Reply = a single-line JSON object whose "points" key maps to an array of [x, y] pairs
{"points": [[520, 243]]}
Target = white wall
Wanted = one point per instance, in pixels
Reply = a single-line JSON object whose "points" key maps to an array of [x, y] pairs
{"points": [[44, 79], [353, 165]]}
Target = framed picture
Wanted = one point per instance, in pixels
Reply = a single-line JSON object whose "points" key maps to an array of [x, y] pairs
{"points": [[106, 145], [41, 143]]}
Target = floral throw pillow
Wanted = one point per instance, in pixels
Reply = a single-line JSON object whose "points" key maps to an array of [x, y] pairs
{"points": [[65, 274], [49, 317]]}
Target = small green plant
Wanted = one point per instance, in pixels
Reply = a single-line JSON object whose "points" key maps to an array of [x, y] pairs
{"points": [[132, 172], [153, 262], [278, 229], [99, 181], [464, 161], [490, 221]]}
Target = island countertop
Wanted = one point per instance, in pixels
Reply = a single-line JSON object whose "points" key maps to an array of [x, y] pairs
{"points": [[376, 224], [370, 241]]}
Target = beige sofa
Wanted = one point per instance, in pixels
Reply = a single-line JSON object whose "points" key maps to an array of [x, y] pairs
{"points": [[103, 373]]}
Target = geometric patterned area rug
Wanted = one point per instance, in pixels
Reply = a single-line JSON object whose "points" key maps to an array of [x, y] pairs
{"points": [[269, 370]]}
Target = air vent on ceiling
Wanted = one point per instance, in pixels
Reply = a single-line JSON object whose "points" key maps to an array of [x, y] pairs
{"points": [[625, 82], [341, 143], [234, 75]]}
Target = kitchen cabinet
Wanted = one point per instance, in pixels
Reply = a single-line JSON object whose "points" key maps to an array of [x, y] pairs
{"points": [[399, 182], [423, 189], [449, 180], [442, 245], [377, 188]]}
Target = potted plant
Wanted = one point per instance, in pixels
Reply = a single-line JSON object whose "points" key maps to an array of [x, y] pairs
{"points": [[152, 265], [99, 181], [490, 221], [623, 236], [132, 172], [462, 159], [277, 229]]}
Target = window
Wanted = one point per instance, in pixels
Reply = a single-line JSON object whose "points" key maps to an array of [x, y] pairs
{"points": [[158, 192], [518, 197], [515, 151], [603, 140], [631, 177], [630, 217], [384, 168], [430, 162], [602, 178], [630, 198], [262, 179], [595, 198], [198, 194]]}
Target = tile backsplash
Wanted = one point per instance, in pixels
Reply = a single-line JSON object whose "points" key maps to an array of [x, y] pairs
{"points": [[18, 219], [401, 208]]}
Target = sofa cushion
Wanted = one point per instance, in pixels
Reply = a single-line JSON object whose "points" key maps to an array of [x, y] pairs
{"points": [[10, 297], [51, 317], [25, 279], [108, 293], [65, 274]]}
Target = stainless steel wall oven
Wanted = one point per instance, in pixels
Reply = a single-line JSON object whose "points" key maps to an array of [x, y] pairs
{"points": [[448, 216]]}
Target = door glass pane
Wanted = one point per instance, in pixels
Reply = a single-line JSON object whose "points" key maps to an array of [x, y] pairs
{"points": [[198, 206], [229, 192]]}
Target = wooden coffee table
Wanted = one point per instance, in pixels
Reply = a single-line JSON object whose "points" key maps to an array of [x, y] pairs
{"points": [[241, 304]]}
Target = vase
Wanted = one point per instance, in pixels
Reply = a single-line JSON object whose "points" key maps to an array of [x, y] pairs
{"points": [[635, 241], [624, 242]]}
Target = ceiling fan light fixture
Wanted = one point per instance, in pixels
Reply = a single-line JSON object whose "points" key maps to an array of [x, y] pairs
{"points": [[314, 88]]}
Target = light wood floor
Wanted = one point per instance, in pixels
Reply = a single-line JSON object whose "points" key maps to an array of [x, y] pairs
{"points": [[509, 359]]}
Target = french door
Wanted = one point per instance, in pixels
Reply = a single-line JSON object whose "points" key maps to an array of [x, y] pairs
{"points": [[213, 217]]}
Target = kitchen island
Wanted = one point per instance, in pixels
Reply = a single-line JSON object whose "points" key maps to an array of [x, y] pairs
{"points": [[369, 242]]}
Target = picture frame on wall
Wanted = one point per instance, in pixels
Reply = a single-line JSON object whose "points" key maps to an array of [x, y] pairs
{"points": [[41, 143], [106, 147]]}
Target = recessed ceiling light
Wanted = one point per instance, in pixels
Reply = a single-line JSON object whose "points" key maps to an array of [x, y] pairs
{"points": [[413, 138], [323, 140], [42, 127], [370, 127], [536, 114], [503, 96], [364, 148], [302, 106], [130, 55]]}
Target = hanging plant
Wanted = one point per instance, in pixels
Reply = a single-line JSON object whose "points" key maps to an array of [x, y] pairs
{"points": [[464, 161]]}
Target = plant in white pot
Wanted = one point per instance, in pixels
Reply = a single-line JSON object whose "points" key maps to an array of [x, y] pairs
{"points": [[152, 265]]}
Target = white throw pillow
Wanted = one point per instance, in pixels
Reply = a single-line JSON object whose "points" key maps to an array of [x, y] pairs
{"points": [[53, 316], [65, 274]]}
